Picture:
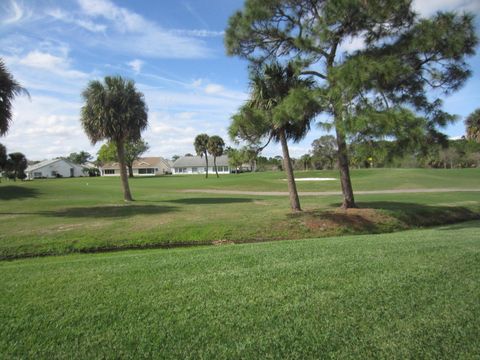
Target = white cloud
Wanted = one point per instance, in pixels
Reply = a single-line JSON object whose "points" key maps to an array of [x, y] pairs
{"points": [[197, 83], [59, 65], [135, 34], [173, 133], [198, 33], [16, 12], [136, 65], [89, 25], [46, 127], [214, 89]]}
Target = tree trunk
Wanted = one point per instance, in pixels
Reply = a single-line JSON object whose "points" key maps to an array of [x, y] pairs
{"points": [[215, 165], [130, 171], [127, 196], [348, 199], [292, 187], [206, 161]]}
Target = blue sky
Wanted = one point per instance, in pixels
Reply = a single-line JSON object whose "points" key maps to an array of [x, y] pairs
{"points": [[172, 49]]}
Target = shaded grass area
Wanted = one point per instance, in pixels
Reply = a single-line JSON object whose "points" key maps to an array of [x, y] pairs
{"points": [[12, 192], [58, 216], [410, 294]]}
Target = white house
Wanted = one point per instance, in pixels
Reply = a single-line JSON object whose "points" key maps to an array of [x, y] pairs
{"points": [[197, 165], [54, 168], [147, 166]]}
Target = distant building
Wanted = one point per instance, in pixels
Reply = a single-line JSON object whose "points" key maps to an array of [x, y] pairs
{"points": [[147, 166], [197, 165], [54, 168]]}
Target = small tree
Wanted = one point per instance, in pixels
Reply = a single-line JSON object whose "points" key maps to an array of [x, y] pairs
{"points": [[201, 148], [215, 147], [115, 111], [133, 151], [16, 165], [79, 158], [306, 160], [324, 151], [235, 158], [250, 155], [107, 153], [473, 126]]}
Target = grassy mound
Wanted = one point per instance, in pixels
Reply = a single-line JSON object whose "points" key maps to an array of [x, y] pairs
{"points": [[59, 216]]}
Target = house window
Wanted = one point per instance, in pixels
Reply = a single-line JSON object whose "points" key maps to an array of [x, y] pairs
{"points": [[146, 171], [54, 173], [109, 171], [37, 174], [180, 170], [195, 169]]}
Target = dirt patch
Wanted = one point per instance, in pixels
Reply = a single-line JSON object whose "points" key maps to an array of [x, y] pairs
{"points": [[222, 242], [349, 220]]}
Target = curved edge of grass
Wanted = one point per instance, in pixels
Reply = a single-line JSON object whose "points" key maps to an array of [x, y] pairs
{"points": [[387, 223]]}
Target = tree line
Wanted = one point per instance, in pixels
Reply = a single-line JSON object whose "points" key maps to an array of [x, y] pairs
{"points": [[459, 153]]}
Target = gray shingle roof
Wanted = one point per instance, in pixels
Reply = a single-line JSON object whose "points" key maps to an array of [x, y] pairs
{"points": [[197, 161], [145, 162], [48, 162]]}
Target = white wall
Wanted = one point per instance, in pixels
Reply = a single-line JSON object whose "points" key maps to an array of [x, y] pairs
{"points": [[59, 167], [135, 172], [200, 170]]}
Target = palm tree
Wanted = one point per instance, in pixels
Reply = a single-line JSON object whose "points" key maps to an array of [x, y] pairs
{"points": [[473, 126], [115, 111], [306, 160], [201, 147], [9, 88], [215, 147], [281, 107]]}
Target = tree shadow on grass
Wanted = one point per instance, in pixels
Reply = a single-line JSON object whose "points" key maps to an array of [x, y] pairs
{"points": [[211, 200], [13, 192], [102, 211], [350, 221], [382, 216], [420, 215]]}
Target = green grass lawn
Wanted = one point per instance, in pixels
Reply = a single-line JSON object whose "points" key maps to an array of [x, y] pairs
{"points": [[59, 216], [411, 294], [363, 179]]}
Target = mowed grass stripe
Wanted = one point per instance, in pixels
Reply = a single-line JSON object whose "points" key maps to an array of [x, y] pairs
{"points": [[59, 216], [412, 294]]}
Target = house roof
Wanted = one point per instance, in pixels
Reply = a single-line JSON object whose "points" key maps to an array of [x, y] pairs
{"points": [[198, 161], [44, 163], [146, 162]]}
